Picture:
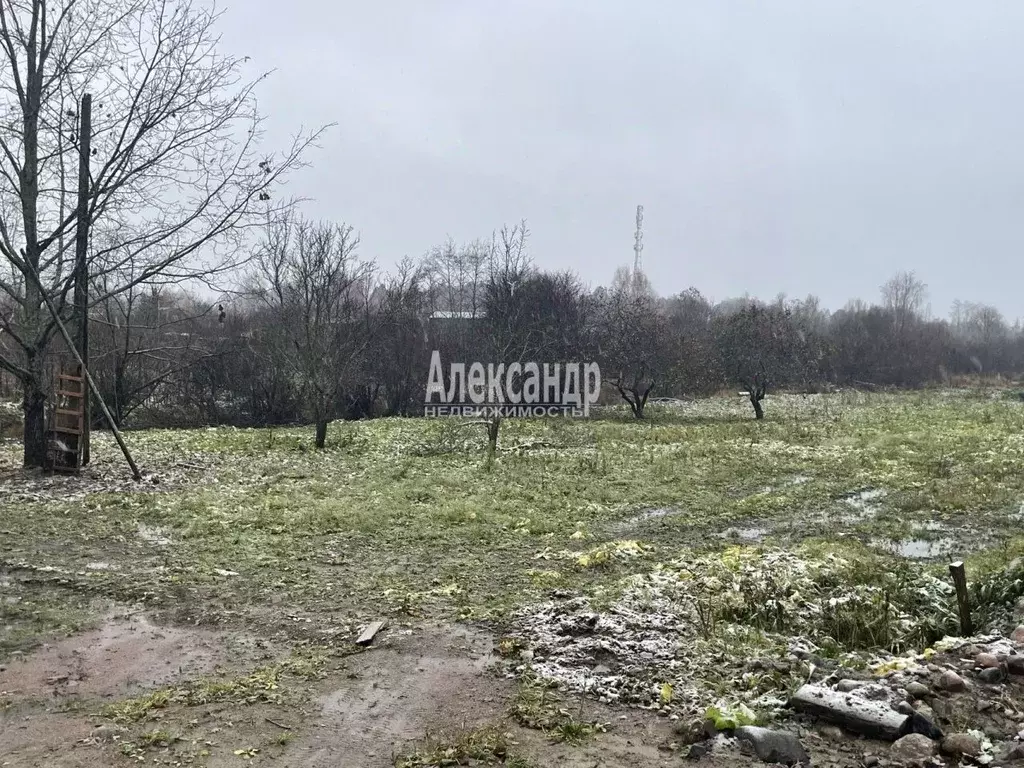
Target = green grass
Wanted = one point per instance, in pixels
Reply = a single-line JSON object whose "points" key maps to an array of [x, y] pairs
{"points": [[406, 517]]}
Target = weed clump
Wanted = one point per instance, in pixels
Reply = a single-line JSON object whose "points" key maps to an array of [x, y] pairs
{"points": [[261, 686], [484, 746], [862, 603]]}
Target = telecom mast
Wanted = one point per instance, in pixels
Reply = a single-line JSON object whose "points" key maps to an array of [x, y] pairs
{"points": [[638, 244]]}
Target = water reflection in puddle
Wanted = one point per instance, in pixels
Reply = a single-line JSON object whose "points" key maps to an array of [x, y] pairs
{"points": [[918, 549], [748, 533]]}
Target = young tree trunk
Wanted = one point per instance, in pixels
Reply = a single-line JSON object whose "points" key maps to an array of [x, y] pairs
{"points": [[636, 402], [492, 434], [34, 404], [756, 402], [321, 432], [642, 402]]}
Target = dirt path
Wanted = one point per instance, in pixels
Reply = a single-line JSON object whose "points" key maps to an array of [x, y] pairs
{"points": [[431, 681], [418, 685]]}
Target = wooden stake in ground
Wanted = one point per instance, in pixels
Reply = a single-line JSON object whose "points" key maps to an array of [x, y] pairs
{"points": [[81, 257], [959, 574]]}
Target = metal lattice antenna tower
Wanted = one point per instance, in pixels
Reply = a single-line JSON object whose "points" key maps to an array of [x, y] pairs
{"points": [[638, 244]]}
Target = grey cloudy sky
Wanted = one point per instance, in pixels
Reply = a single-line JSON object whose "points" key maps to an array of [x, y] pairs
{"points": [[805, 147]]}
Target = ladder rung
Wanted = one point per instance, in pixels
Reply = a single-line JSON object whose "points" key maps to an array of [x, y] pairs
{"points": [[65, 393], [68, 377], [67, 430], [66, 412]]}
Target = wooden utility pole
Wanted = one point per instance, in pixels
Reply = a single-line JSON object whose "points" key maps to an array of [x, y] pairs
{"points": [[81, 262], [136, 474]]}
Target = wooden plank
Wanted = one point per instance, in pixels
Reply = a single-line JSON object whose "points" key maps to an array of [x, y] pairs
{"points": [[872, 718], [66, 430], [371, 629], [65, 393], [69, 412], [959, 575]]}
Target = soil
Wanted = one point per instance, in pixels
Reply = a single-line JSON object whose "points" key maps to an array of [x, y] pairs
{"points": [[416, 683], [430, 679], [125, 656]]}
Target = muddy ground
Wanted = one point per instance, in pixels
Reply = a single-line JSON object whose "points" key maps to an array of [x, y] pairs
{"points": [[416, 685]]}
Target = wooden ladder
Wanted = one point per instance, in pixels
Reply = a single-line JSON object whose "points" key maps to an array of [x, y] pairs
{"points": [[64, 447]]}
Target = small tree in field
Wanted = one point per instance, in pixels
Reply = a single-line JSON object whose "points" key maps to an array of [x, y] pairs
{"points": [[633, 339], [760, 347], [317, 292]]}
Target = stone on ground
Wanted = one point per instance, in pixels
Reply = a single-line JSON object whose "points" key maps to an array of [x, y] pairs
{"points": [[958, 744], [774, 746], [914, 750], [951, 681]]}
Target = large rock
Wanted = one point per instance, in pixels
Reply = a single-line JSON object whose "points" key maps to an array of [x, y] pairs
{"points": [[992, 675], [1018, 635], [924, 724], [986, 660], [1015, 664], [918, 690], [951, 681], [914, 749], [872, 718], [774, 746], [958, 744]]}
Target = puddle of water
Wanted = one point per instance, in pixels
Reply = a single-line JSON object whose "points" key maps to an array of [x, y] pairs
{"points": [[748, 533], [654, 514], [437, 679], [918, 549], [647, 515], [864, 501]]}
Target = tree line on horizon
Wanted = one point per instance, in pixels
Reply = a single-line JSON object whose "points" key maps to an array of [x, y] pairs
{"points": [[313, 332]]}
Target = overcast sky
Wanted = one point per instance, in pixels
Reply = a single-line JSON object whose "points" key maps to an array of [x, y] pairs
{"points": [[797, 147]]}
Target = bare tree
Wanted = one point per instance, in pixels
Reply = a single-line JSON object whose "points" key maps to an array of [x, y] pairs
{"points": [[760, 347], [401, 358], [985, 331], [318, 292], [175, 173], [147, 336], [905, 296], [633, 339], [695, 367]]}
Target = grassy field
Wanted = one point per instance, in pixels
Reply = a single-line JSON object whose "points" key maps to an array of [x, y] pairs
{"points": [[251, 530]]}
